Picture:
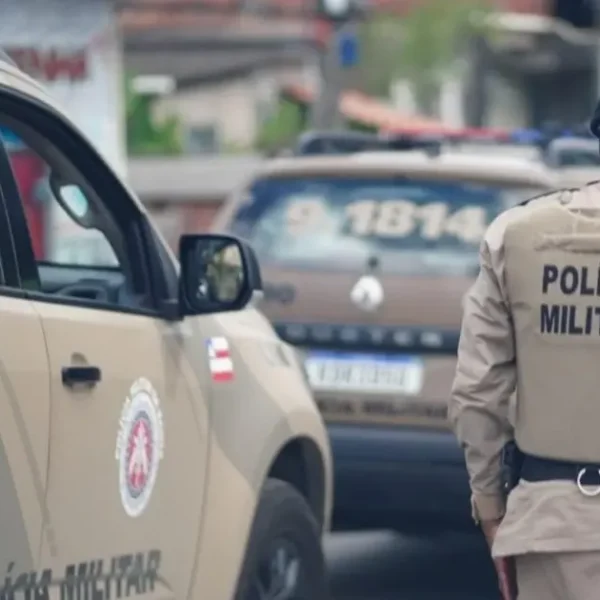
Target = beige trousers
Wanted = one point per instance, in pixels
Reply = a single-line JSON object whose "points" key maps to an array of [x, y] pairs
{"points": [[560, 576]]}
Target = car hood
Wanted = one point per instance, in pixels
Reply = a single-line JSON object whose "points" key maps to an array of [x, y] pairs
{"points": [[297, 296]]}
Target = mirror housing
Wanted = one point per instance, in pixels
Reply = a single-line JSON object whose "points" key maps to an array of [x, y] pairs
{"points": [[219, 273]]}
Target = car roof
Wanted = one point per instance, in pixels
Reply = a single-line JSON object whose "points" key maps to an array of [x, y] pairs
{"points": [[12, 77], [448, 164]]}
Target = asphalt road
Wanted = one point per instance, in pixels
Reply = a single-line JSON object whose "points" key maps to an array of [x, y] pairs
{"points": [[386, 566]]}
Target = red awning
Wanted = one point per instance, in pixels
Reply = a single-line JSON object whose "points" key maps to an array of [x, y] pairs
{"points": [[358, 107]]}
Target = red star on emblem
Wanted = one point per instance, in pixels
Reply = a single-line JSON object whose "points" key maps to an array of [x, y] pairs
{"points": [[139, 454]]}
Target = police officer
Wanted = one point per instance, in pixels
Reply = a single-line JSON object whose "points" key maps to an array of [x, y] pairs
{"points": [[532, 326]]}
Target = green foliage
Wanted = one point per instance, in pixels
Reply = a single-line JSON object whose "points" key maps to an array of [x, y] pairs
{"points": [[381, 49], [144, 135], [420, 46], [286, 124]]}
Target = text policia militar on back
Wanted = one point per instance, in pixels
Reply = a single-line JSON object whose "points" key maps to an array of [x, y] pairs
{"points": [[569, 318]]}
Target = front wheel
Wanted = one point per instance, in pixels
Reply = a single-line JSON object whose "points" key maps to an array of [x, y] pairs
{"points": [[284, 559]]}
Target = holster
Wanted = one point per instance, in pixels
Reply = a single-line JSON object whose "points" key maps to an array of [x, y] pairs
{"points": [[512, 463]]}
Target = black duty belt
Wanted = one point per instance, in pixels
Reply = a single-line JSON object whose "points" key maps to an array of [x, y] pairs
{"points": [[586, 476]]}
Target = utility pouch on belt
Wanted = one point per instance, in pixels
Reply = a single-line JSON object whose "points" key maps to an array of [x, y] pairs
{"points": [[512, 463]]}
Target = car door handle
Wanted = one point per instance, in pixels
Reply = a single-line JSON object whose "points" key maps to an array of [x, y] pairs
{"points": [[81, 375]]}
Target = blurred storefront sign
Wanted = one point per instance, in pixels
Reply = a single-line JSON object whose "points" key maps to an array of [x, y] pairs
{"points": [[49, 65]]}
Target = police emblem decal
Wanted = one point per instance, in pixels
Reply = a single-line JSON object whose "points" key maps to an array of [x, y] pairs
{"points": [[367, 293], [140, 446]]}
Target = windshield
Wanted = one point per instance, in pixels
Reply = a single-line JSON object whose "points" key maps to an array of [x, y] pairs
{"points": [[403, 225]]}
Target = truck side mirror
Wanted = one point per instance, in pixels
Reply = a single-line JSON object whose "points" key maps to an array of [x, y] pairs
{"points": [[218, 273]]}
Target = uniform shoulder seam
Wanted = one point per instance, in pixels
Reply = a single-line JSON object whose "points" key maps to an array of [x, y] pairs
{"points": [[497, 229]]}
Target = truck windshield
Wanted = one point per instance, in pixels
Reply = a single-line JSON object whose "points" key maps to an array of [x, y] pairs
{"points": [[409, 226]]}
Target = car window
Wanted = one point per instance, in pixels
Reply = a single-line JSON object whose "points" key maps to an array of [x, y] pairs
{"points": [[411, 226], [79, 249], [56, 237]]}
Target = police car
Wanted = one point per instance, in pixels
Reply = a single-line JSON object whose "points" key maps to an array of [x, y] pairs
{"points": [[367, 246]]}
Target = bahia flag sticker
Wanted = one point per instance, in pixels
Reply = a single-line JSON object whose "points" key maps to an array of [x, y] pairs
{"points": [[219, 359]]}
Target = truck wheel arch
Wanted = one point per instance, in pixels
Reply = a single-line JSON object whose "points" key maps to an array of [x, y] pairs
{"points": [[300, 463]]}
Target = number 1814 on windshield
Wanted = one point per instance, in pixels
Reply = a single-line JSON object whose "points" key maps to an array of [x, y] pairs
{"points": [[394, 218]]}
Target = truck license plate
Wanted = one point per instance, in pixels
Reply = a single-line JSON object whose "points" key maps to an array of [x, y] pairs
{"points": [[365, 372]]}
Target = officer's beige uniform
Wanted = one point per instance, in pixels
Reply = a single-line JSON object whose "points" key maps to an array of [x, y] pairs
{"points": [[532, 324]]}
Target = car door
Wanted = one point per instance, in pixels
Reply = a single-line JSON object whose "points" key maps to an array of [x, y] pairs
{"points": [[24, 417], [128, 420]]}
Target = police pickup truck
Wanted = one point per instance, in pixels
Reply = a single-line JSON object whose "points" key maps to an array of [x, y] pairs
{"points": [[157, 438]]}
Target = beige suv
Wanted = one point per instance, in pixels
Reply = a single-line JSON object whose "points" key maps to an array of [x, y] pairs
{"points": [[157, 439]]}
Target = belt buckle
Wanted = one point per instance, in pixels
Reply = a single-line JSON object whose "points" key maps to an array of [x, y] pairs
{"points": [[588, 490]]}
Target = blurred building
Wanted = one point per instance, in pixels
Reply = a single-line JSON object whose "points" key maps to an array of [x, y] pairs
{"points": [[183, 193], [73, 47], [539, 65], [226, 60], [518, 74]]}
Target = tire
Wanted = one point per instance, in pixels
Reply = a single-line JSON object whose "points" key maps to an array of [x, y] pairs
{"points": [[283, 525]]}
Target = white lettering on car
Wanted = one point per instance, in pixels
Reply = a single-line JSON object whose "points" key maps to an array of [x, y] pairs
{"points": [[304, 214], [391, 219]]}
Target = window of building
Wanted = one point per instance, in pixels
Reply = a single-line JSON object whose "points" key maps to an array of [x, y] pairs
{"points": [[201, 140]]}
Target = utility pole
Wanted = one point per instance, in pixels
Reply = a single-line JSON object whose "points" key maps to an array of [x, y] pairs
{"points": [[337, 58]]}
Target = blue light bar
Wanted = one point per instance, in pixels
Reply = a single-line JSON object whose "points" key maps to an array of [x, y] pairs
{"points": [[527, 136], [536, 136]]}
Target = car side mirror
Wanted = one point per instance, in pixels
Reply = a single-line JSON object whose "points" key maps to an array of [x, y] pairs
{"points": [[218, 273]]}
